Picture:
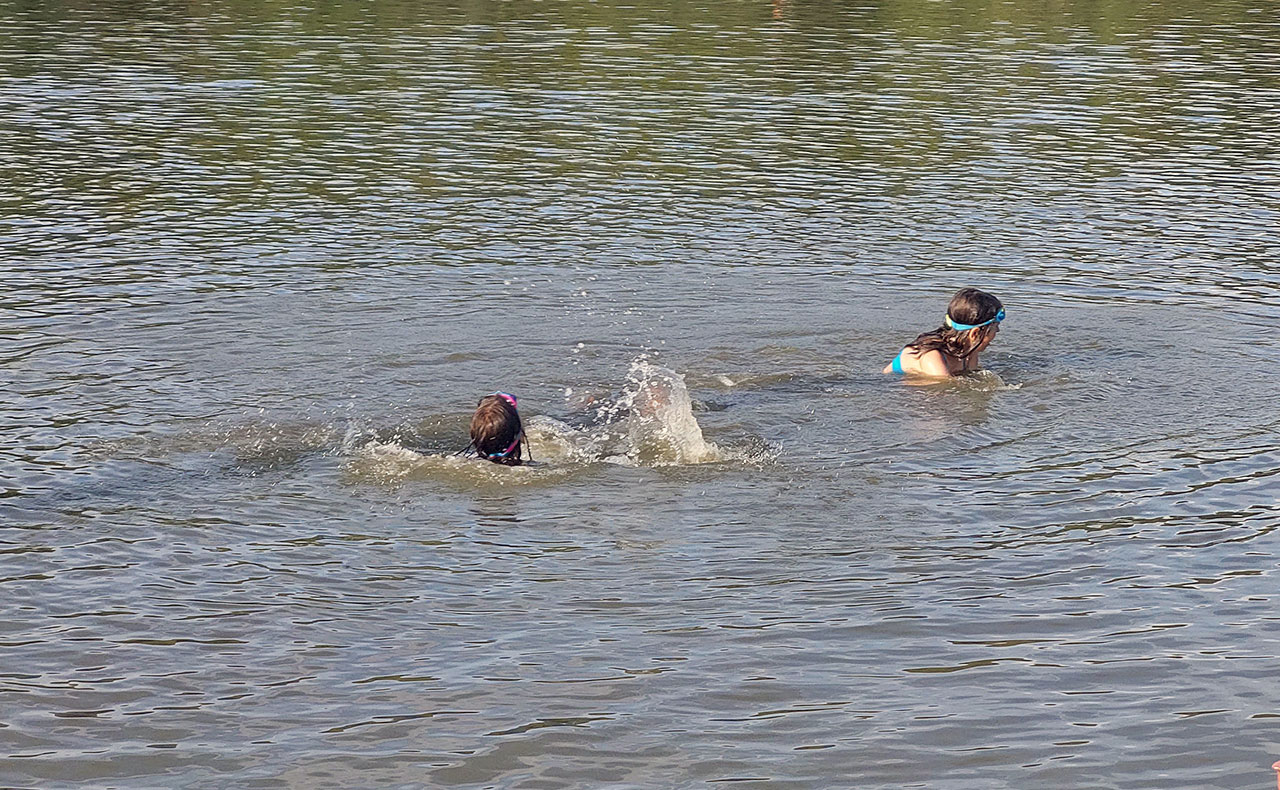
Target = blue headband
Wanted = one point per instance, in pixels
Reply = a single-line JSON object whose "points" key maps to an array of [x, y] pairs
{"points": [[963, 327]]}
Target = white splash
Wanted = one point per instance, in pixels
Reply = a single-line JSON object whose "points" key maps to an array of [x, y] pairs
{"points": [[661, 428], [651, 423]]}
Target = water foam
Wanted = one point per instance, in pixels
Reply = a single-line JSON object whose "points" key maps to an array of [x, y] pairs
{"points": [[650, 424], [661, 428], [983, 380]]}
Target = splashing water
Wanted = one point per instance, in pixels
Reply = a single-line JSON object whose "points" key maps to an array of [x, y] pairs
{"points": [[391, 463], [661, 428], [650, 424], [983, 380]]}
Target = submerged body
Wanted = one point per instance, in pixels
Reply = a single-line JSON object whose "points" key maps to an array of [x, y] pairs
{"points": [[972, 321], [934, 364]]}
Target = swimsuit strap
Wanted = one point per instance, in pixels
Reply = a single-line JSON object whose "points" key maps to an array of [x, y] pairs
{"points": [[507, 451]]}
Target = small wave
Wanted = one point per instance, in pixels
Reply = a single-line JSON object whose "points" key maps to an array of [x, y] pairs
{"points": [[743, 381], [390, 463], [975, 381], [984, 381], [255, 445]]}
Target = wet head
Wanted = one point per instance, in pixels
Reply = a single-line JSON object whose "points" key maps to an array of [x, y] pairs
{"points": [[974, 316], [496, 431]]}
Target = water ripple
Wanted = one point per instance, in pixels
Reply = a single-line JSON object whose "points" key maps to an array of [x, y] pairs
{"points": [[262, 260]]}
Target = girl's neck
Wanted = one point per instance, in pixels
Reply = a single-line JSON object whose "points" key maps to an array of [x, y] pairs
{"points": [[963, 364]]}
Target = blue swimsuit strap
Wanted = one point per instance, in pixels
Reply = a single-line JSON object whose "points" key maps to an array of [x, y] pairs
{"points": [[896, 365]]}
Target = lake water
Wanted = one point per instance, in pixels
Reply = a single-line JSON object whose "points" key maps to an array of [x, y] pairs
{"points": [[261, 259]]}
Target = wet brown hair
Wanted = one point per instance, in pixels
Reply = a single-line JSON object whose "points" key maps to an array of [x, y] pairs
{"points": [[495, 427], [968, 306]]}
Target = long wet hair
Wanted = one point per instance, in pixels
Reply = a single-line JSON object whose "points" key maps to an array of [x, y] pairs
{"points": [[496, 432], [968, 306]]}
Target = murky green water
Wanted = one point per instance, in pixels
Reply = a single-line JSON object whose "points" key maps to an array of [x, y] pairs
{"points": [[261, 259]]}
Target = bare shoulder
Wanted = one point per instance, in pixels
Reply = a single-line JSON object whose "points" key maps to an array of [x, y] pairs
{"points": [[920, 363], [932, 363], [904, 362]]}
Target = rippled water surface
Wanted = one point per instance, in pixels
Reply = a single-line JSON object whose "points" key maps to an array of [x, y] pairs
{"points": [[261, 259]]}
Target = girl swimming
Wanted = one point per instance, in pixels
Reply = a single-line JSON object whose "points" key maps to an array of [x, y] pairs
{"points": [[496, 432], [972, 321]]}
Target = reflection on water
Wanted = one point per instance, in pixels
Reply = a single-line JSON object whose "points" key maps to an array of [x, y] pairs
{"points": [[262, 258]]}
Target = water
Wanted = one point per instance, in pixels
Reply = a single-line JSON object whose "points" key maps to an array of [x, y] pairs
{"points": [[261, 260]]}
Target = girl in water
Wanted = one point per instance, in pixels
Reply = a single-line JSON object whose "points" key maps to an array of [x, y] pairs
{"points": [[496, 432], [972, 321]]}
